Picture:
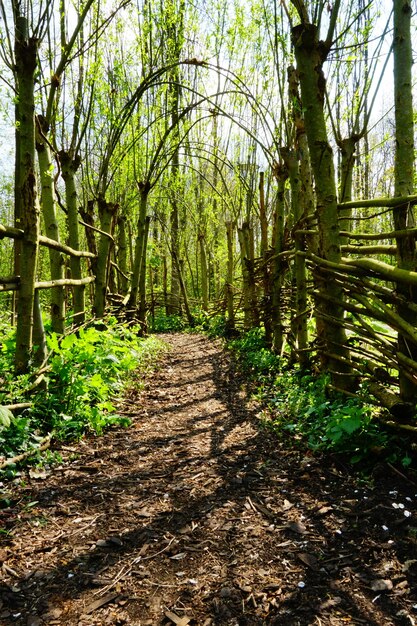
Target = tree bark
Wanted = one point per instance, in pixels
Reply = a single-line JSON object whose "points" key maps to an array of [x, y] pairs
{"points": [[203, 272], [107, 213], [310, 54], [56, 261], [140, 246], [230, 322], [69, 167], [404, 175], [26, 192]]}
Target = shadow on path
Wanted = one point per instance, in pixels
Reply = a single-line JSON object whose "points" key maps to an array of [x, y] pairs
{"points": [[195, 512]]}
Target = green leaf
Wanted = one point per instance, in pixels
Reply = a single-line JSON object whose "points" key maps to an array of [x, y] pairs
{"points": [[351, 424], [6, 417]]}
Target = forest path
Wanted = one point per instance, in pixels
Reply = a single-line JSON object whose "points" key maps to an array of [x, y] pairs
{"points": [[195, 516]]}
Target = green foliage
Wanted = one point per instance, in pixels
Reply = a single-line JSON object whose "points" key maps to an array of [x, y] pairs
{"points": [[299, 405], [162, 323], [212, 325], [85, 371], [6, 417], [254, 356]]}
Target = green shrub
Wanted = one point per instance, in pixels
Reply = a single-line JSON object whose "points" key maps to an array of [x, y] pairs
{"points": [[254, 356], [162, 323], [85, 372], [300, 405]]}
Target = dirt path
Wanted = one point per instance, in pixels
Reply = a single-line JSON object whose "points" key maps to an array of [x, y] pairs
{"points": [[195, 516]]}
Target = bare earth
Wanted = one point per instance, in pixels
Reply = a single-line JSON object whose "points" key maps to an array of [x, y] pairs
{"points": [[196, 516]]}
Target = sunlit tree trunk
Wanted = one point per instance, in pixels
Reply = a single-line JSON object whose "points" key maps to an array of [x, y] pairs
{"points": [[230, 322], [142, 278], [203, 272], [404, 175], [122, 249], [266, 283], [310, 55], [299, 316], [278, 267], [251, 310], [26, 63]]}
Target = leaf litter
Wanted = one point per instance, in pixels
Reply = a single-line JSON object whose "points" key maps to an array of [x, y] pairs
{"points": [[195, 516]]}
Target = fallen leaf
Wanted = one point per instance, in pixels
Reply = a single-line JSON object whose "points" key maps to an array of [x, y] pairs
{"points": [[297, 527], [324, 509], [38, 474], [330, 603], [179, 556], [382, 585], [309, 560]]}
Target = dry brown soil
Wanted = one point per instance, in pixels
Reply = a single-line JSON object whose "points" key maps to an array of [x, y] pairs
{"points": [[194, 515]]}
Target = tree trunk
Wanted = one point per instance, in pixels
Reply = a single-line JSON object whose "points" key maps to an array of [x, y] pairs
{"points": [[56, 260], [122, 281], [142, 279], [278, 269], [107, 212], [203, 270], [300, 314], [140, 247], [69, 167], [404, 174], [310, 55], [251, 315], [230, 322], [26, 63], [266, 282]]}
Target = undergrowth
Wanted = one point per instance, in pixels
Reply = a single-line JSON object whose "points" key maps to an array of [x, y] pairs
{"points": [[300, 407], [85, 372]]}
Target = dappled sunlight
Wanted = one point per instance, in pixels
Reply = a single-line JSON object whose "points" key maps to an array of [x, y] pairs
{"points": [[195, 513]]}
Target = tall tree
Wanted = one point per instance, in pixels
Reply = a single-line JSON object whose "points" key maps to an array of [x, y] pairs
{"points": [[310, 54], [404, 179], [27, 206]]}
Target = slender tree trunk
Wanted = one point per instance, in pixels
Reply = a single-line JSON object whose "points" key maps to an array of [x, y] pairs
{"points": [[251, 311], [175, 282], [140, 246], [347, 149], [87, 216], [26, 63], [165, 284], [203, 270], [142, 278], [310, 55], [266, 279], [404, 175], [39, 338], [189, 315], [69, 167], [122, 247], [230, 323], [300, 314], [56, 260], [107, 212], [278, 267]]}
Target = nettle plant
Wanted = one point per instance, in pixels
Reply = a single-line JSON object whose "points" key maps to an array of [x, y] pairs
{"points": [[85, 372], [88, 370]]}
